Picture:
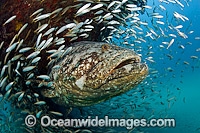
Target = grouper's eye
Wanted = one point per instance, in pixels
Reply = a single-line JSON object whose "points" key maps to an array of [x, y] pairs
{"points": [[105, 47]]}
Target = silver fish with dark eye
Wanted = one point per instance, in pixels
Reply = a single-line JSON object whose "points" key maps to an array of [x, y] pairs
{"points": [[93, 72]]}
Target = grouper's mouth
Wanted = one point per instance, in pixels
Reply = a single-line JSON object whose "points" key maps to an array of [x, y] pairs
{"points": [[128, 61]]}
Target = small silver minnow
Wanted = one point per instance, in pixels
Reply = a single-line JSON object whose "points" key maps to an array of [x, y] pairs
{"points": [[18, 65], [52, 51], [107, 15], [56, 11], [56, 113], [84, 34], [41, 44], [23, 27], [113, 22], [55, 54], [30, 76], [1, 45], [20, 96], [38, 114], [68, 26], [83, 12], [43, 77], [60, 42], [38, 40], [65, 10], [74, 38], [19, 45], [179, 3], [9, 86], [179, 27], [18, 72], [18, 93], [36, 95], [61, 47], [99, 12], [40, 103], [170, 43], [131, 5], [49, 31], [10, 48], [97, 6], [23, 50], [41, 28], [56, 67], [7, 93], [47, 43], [83, 8], [158, 16], [70, 35], [111, 4], [172, 35], [78, 26], [36, 60], [41, 17], [3, 81], [134, 9], [29, 97], [66, 51], [116, 11], [162, 7], [148, 7], [16, 57], [33, 55], [9, 20], [160, 22], [37, 11], [28, 68], [3, 70]]}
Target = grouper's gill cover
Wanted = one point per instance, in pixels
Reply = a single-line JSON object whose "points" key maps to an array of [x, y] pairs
{"points": [[93, 72]]}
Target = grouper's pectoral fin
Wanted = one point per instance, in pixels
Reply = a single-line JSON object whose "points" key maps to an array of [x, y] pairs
{"points": [[50, 93], [46, 92]]}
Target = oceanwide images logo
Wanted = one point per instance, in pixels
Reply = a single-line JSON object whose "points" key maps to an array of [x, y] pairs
{"points": [[46, 121]]}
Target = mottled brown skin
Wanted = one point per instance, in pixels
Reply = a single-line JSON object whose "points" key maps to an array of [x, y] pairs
{"points": [[93, 72]]}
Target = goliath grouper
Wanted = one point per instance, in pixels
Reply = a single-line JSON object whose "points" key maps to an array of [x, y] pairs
{"points": [[93, 72]]}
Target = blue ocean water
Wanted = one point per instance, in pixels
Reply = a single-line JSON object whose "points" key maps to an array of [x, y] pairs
{"points": [[186, 109], [187, 113]]}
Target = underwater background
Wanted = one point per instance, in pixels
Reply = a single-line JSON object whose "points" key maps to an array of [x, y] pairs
{"points": [[169, 78], [186, 108]]}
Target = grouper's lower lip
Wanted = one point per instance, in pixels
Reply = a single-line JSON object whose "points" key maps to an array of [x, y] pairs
{"points": [[128, 61], [144, 69]]}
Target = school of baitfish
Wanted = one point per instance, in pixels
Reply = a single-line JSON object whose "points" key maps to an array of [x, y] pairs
{"points": [[38, 53]]}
